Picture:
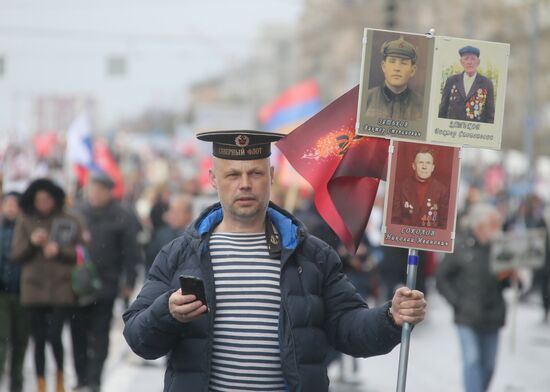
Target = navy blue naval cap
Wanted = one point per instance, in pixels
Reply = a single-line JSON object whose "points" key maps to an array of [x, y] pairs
{"points": [[240, 145], [468, 50]]}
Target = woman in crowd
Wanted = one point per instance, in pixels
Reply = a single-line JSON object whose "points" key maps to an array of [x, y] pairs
{"points": [[44, 242]]}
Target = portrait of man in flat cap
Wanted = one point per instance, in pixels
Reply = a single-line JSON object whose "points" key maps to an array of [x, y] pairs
{"points": [[468, 95], [394, 98]]}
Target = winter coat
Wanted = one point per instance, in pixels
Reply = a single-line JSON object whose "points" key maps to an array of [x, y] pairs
{"points": [[160, 237], [466, 281], [113, 247], [10, 272], [319, 307], [45, 281]]}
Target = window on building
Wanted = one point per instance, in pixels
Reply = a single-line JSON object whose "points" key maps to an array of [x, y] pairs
{"points": [[116, 66]]}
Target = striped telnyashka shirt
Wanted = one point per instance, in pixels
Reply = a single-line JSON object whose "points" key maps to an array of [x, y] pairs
{"points": [[246, 355]]}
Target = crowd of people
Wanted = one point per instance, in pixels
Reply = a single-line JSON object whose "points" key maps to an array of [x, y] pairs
{"points": [[42, 227]]}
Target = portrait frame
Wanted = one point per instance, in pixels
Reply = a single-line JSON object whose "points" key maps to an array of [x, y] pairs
{"points": [[426, 233], [64, 231], [372, 76], [468, 130], [518, 249]]}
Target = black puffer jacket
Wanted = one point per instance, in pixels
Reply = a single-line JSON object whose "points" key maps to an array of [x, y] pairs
{"points": [[466, 281], [114, 247], [318, 307]]}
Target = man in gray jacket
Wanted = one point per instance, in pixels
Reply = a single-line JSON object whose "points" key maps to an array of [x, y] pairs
{"points": [[276, 297]]}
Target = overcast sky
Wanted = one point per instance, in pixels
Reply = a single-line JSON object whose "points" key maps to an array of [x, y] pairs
{"points": [[60, 46]]}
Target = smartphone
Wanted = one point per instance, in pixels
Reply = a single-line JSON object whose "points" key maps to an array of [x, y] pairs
{"points": [[195, 286]]}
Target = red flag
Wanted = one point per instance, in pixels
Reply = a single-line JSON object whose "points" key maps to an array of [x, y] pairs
{"points": [[343, 169], [106, 162]]}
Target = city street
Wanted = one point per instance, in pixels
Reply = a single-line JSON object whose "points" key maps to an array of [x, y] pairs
{"points": [[434, 359], [133, 132]]}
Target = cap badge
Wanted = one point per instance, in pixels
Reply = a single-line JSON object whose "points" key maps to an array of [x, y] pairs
{"points": [[242, 141]]}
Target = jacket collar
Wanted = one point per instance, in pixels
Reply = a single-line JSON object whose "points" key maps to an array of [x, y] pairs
{"points": [[285, 228]]}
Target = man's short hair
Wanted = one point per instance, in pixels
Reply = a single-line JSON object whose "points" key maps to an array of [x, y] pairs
{"points": [[103, 179], [478, 213], [425, 150], [15, 194], [399, 48]]}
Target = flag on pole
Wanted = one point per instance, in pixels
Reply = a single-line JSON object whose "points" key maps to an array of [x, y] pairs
{"points": [[87, 156], [294, 105], [343, 169], [105, 162], [79, 150]]}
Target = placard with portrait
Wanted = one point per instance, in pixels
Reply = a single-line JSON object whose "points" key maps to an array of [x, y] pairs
{"points": [[421, 196]]}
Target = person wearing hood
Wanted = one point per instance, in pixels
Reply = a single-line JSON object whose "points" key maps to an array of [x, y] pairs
{"points": [[276, 297], [44, 242]]}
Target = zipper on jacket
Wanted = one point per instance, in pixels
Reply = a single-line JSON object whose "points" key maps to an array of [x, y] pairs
{"points": [[204, 257], [293, 344]]}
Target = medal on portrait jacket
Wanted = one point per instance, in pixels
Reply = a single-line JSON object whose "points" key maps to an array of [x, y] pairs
{"points": [[409, 207]]}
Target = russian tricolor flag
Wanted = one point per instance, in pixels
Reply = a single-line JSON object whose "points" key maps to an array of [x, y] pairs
{"points": [[89, 156], [294, 105]]}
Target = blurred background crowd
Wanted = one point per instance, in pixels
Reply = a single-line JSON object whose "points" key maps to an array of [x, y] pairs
{"points": [[111, 94]]}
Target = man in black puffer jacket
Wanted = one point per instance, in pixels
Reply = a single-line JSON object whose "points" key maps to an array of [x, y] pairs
{"points": [[276, 296], [116, 254]]}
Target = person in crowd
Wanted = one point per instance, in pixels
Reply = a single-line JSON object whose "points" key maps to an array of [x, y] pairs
{"points": [[276, 297], [465, 279], [531, 216], [112, 244], [44, 242], [394, 99], [177, 217], [421, 199], [14, 323], [468, 95], [159, 208]]}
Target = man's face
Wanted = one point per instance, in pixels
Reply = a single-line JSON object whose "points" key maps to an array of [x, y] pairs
{"points": [[98, 195], [489, 228], [423, 166], [10, 207], [469, 62], [244, 187], [398, 71], [180, 213]]}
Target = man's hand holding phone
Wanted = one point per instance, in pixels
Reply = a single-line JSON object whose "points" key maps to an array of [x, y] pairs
{"points": [[189, 302], [185, 307]]}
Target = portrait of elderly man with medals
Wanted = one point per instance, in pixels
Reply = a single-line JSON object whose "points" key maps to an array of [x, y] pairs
{"points": [[421, 200], [468, 96]]}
